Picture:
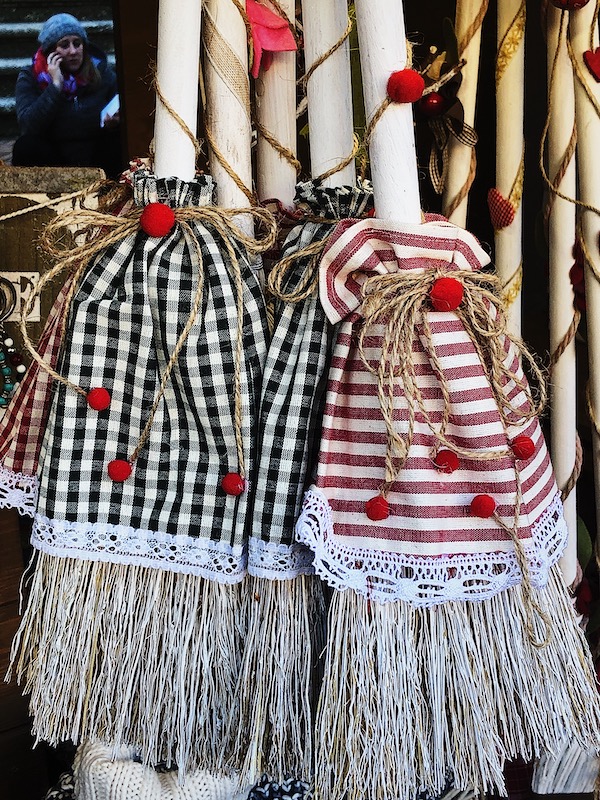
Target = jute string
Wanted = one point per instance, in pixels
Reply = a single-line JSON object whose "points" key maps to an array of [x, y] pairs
{"points": [[397, 301], [107, 230], [472, 29]]}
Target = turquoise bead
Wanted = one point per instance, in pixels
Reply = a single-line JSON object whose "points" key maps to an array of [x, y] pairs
{"points": [[2, 357], [8, 387], [6, 370], [3, 401]]}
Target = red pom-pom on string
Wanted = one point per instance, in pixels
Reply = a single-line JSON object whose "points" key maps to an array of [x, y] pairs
{"points": [[523, 447], [233, 484], [446, 294], [405, 86], [119, 470], [446, 461], [433, 104], [98, 399], [482, 505], [377, 508], [157, 219]]}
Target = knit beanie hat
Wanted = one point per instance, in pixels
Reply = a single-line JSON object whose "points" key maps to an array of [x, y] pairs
{"points": [[58, 26]]}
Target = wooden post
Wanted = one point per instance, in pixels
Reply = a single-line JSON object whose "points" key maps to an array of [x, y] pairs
{"points": [[382, 41], [584, 33], [177, 77], [329, 90], [228, 100], [275, 92], [561, 236], [458, 180], [510, 142]]}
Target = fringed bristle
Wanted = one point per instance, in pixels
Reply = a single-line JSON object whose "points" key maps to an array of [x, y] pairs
{"points": [[415, 698], [270, 730], [130, 656], [572, 771]]}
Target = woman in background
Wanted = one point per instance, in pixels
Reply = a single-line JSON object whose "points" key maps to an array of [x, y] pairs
{"points": [[59, 100]]}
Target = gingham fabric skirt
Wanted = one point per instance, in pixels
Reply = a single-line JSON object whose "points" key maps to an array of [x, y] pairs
{"points": [[124, 322], [293, 391]]}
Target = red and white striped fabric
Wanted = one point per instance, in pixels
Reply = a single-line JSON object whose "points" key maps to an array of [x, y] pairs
{"points": [[23, 425], [431, 548]]}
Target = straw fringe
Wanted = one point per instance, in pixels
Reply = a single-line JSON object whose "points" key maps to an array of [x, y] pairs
{"points": [[270, 731], [413, 698], [130, 656]]}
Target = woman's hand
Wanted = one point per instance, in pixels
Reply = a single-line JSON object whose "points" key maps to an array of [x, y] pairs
{"points": [[54, 61]]}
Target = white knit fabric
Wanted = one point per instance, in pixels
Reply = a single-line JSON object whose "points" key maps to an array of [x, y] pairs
{"points": [[100, 776]]}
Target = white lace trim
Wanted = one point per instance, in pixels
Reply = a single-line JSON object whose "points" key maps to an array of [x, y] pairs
{"points": [[18, 491], [425, 580], [120, 544], [279, 562]]}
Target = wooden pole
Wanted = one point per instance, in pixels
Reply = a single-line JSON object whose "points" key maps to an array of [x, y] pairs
{"points": [[585, 35], [382, 40], [561, 236], [227, 87], [275, 98], [469, 17], [178, 33], [510, 142], [329, 90]]}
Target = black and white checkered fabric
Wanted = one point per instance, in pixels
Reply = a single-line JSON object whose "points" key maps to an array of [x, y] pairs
{"points": [[124, 323], [289, 789], [293, 393]]}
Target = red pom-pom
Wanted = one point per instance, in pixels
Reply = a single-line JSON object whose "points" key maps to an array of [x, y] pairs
{"points": [[523, 447], [446, 461], [98, 399], [482, 505], [233, 484], [119, 470], [405, 86], [446, 294], [569, 5], [377, 508], [433, 104], [157, 219]]}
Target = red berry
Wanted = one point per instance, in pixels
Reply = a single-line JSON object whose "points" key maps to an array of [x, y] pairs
{"points": [[377, 508], [119, 470], [98, 399], [233, 484], [446, 294], [523, 447], [15, 359], [482, 505], [446, 461], [569, 5], [405, 86], [433, 104], [157, 219]]}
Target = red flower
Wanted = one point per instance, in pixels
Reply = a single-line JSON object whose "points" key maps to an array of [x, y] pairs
{"points": [[270, 34]]}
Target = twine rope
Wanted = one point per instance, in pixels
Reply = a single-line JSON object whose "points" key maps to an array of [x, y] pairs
{"points": [[310, 278], [566, 340], [396, 301], [280, 148], [49, 203], [463, 192], [100, 230], [576, 471], [324, 56]]}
